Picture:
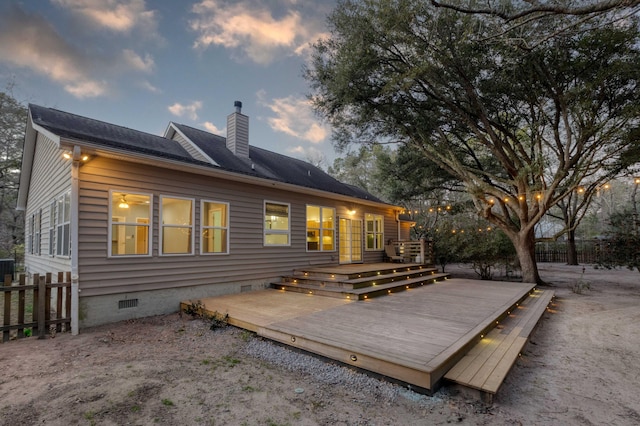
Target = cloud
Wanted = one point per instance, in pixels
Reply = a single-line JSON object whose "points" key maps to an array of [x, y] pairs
{"points": [[114, 15], [190, 111], [136, 62], [149, 87], [214, 129], [28, 41], [251, 28], [294, 116]]}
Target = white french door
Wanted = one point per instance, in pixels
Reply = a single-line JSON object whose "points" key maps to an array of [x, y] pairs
{"points": [[350, 241]]}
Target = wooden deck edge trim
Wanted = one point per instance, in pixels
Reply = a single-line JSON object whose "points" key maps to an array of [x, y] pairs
{"points": [[491, 374], [442, 363], [403, 373]]}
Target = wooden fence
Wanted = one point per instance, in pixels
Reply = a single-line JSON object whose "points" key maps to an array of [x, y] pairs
{"points": [[36, 309], [589, 251]]}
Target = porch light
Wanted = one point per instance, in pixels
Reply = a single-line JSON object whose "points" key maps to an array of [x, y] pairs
{"points": [[66, 155], [636, 181], [123, 202]]}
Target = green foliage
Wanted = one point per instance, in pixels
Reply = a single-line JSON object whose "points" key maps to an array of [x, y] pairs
{"points": [[520, 121], [622, 246], [13, 117]]}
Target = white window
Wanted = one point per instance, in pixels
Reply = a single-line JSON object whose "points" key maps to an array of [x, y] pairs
{"points": [[214, 221], [176, 232], [374, 231], [52, 228], [30, 234], [277, 230], [321, 228], [37, 232], [63, 225], [130, 226]]}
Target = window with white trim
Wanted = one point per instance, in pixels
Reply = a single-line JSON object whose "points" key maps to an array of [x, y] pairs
{"points": [[37, 239], [277, 218], [30, 234], [63, 225], [130, 224], [214, 221], [52, 228], [374, 231], [176, 230], [321, 228]]}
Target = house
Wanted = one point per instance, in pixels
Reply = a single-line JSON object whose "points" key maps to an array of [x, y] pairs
{"points": [[145, 221]]}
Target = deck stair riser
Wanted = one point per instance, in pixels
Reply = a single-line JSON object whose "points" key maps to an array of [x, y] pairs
{"points": [[343, 276], [362, 285], [359, 282]]}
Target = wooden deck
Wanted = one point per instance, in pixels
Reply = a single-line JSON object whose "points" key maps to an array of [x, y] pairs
{"points": [[414, 336]]}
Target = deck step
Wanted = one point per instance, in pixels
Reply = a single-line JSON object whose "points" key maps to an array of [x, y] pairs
{"points": [[368, 280], [373, 290], [486, 365]]}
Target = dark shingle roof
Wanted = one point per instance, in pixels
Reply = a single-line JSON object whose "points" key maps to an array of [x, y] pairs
{"points": [[261, 163], [73, 126], [270, 165]]}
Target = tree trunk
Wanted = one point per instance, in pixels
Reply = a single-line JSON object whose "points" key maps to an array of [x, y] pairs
{"points": [[572, 251], [525, 245]]}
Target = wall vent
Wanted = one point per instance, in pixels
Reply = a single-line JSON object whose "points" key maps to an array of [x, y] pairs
{"points": [[127, 303], [245, 288]]}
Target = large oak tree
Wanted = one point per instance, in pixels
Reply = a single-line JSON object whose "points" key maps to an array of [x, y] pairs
{"points": [[520, 121]]}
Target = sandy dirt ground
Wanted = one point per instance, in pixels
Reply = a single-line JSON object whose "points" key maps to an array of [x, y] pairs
{"points": [[581, 367]]}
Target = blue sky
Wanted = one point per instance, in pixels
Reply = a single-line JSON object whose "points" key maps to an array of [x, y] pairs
{"points": [[142, 64]]}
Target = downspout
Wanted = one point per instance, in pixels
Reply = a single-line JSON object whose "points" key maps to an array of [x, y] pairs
{"points": [[75, 202]]}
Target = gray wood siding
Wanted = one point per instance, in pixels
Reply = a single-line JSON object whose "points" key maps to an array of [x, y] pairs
{"points": [[51, 177], [247, 260], [191, 149]]}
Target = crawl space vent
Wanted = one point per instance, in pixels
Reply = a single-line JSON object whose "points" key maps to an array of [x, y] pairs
{"points": [[245, 288], [127, 303]]}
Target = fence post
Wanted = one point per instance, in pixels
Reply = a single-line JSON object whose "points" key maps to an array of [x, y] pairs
{"points": [[7, 307], [21, 303], [42, 299]]}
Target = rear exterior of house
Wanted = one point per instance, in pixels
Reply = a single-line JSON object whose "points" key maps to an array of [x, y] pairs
{"points": [[143, 221]]}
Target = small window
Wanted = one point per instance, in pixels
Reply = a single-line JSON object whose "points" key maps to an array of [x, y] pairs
{"points": [[130, 228], [176, 236], [374, 231], [63, 225], [52, 228], [37, 239], [214, 220], [277, 231], [320, 228]]}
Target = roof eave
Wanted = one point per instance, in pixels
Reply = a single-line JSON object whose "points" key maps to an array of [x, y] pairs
{"points": [[152, 160]]}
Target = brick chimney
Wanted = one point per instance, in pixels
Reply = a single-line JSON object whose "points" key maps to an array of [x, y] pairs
{"points": [[238, 132]]}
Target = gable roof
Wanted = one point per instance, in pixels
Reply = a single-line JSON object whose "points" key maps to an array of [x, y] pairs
{"points": [[261, 164], [269, 165]]}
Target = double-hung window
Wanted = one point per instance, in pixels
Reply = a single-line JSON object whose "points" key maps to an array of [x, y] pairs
{"points": [[214, 220], [37, 233], [176, 234], [277, 228], [52, 228], [63, 224], [130, 228], [321, 228], [374, 231]]}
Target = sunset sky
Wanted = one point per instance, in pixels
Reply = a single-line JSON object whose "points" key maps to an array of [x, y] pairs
{"points": [[142, 64]]}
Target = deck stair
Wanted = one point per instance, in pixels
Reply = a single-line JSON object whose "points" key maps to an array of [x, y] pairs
{"points": [[359, 285], [483, 369]]}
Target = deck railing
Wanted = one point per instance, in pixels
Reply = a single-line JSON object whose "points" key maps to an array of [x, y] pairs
{"points": [[420, 251]]}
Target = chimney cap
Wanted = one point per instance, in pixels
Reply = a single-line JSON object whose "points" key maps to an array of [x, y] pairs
{"points": [[238, 106]]}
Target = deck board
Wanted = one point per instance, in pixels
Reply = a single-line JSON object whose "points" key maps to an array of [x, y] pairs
{"points": [[413, 336]]}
